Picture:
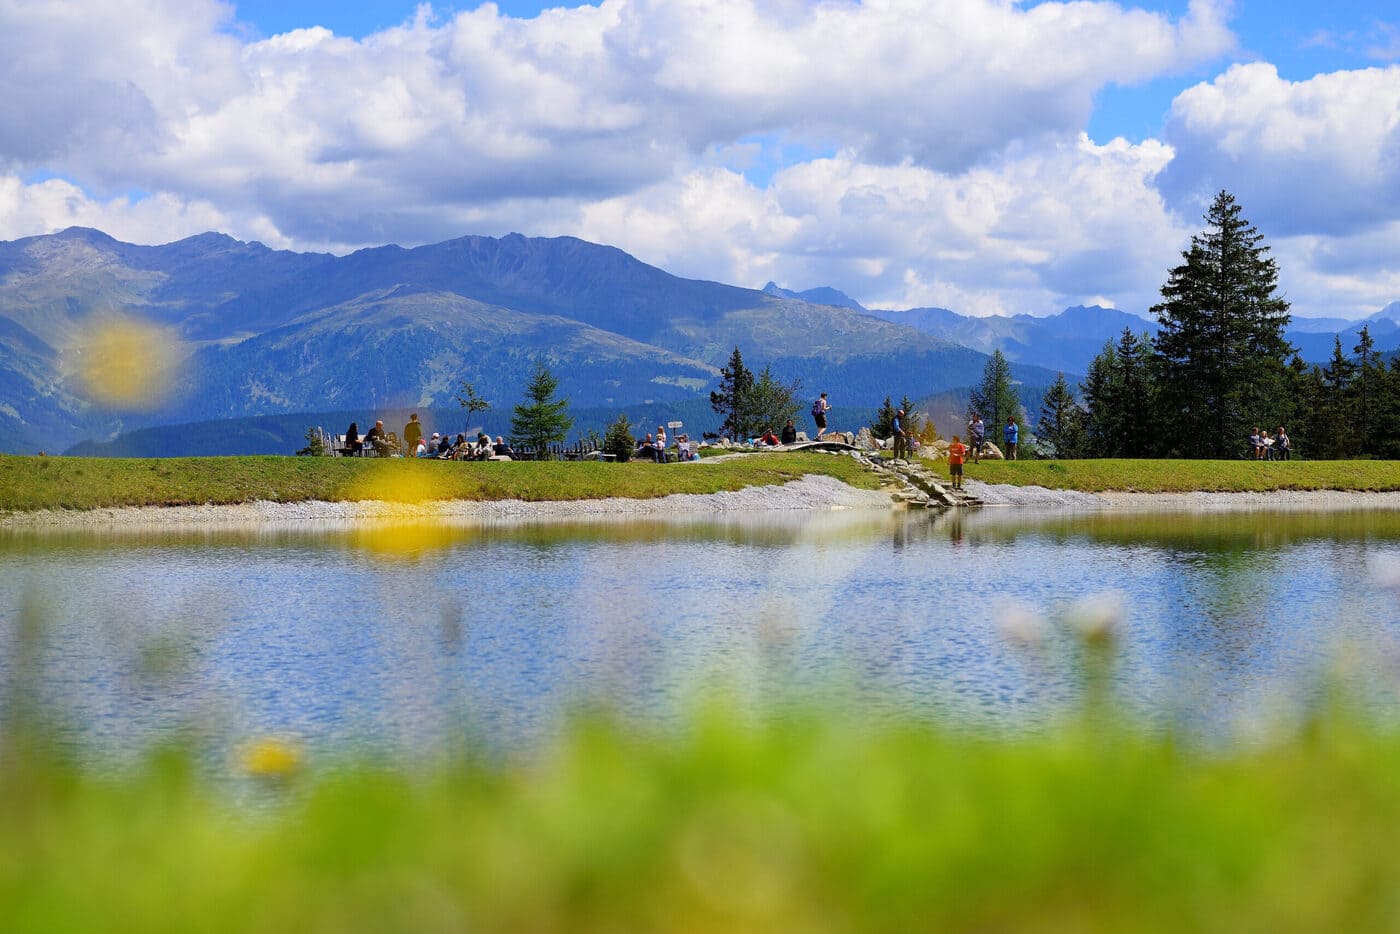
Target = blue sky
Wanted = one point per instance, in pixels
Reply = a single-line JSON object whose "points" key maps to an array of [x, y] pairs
{"points": [[989, 156]]}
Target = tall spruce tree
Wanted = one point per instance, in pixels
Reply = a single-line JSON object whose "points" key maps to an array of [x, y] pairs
{"points": [[1060, 430], [733, 397], [996, 398], [1369, 373], [1220, 351], [1134, 390], [883, 425], [1336, 433], [541, 420], [1098, 396]]}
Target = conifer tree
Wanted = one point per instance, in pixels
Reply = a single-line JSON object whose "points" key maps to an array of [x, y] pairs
{"points": [[1098, 402], [996, 398], [1364, 388], [1220, 351], [883, 426], [1336, 431], [541, 420], [1060, 430], [1130, 394], [733, 397]]}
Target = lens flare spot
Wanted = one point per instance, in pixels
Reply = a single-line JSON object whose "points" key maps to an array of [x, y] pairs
{"points": [[126, 363], [401, 483], [271, 757], [404, 539]]}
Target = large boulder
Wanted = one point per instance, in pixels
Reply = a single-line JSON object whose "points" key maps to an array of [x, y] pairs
{"points": [[865, 440], [990, 452]]}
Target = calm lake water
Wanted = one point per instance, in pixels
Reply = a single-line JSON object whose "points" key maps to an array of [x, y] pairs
{"points": [[412, 640]]}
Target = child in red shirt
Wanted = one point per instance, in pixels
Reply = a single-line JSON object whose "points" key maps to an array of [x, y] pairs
{"points": [[957, 451]]}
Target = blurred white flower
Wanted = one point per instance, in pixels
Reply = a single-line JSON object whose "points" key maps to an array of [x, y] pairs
{"points": [[1098, 617], [1385, 570], [1020, 625]]}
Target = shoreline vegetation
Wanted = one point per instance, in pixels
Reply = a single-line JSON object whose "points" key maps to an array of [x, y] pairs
{"points": [[821, 821], [1136, 475], [77, 485], [30, 484]]}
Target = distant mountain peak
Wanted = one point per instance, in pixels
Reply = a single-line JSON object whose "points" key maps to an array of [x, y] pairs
{"points": [[822, 295], [86, 234], [1390, 312]]}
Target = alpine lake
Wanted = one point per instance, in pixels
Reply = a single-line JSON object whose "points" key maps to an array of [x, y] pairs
{"points": [[407, 642]]}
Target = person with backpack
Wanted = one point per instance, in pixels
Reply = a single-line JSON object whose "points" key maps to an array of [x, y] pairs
{"points": [[819, 409], [976, 434]]}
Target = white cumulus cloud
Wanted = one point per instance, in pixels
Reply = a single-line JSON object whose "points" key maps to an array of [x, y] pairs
{"points": [[1320, 156]]}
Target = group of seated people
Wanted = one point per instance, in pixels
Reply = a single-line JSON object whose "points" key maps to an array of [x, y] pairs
{"points": [[444, 447], [789, 436], [1266, 447], [377, 439], [441, 446], [653, 447]]}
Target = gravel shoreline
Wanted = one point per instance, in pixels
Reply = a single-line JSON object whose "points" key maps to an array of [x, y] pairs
{"points": [[812, 492], [1002, 494]]}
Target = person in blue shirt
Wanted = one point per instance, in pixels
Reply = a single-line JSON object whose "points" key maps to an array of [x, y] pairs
{"points": [[901, 441], [1012, 433]]}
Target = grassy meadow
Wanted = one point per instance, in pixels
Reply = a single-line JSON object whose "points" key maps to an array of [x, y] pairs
{"points": [[1184, 476], [28, 483]]}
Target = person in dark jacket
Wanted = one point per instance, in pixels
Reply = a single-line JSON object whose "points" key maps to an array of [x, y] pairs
{"points": [[353, 444], [789, 435], [376, 438]]}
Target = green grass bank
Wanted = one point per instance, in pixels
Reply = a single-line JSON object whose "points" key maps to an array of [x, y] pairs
{"points": [[1188, 476], [29, 483], [816, 823]]}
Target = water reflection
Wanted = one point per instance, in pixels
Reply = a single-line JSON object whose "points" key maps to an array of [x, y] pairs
{"points": [[486, 633]]}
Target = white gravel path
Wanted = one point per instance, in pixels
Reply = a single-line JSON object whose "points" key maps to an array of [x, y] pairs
{"points": [[1001, 494], [811, 492]]}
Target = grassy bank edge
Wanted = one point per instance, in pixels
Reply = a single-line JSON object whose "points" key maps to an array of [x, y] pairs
{"points": [[1190, 476], [35, 483]]}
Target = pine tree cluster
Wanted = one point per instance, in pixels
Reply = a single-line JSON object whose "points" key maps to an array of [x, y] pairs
{"points": [[1220, 366]]}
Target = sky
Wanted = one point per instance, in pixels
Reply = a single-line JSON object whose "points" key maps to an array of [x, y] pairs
{"points": [[988, 156]]}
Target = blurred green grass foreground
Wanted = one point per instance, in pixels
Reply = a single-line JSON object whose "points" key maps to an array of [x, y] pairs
{"points": [[794, 823]]}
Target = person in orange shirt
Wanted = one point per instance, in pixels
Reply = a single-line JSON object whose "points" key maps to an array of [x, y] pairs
{"points": [[957, 453]]}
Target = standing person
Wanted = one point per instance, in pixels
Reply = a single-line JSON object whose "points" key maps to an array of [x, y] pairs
{"points": [[412, 433], [901, 442], [1012, 433], [976, 434], [819, 410], [956, 454]]}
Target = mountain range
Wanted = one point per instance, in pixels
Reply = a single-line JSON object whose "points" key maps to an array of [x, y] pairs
{"points": [[263, 333], [267, 332], [1068, 341]]}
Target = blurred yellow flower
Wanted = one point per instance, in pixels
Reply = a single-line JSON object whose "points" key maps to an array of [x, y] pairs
{"points": [[126, 363], [271, 757]]}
